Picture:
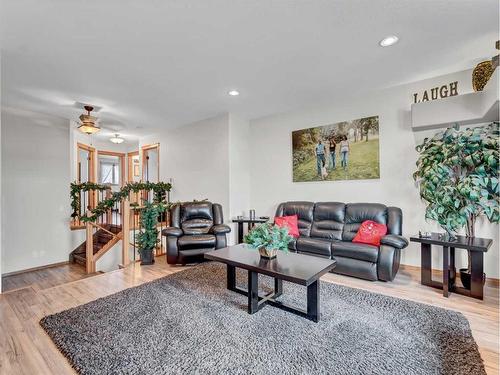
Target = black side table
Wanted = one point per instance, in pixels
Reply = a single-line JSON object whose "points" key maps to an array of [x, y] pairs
{"points": [[476, 246], [251, 224]]}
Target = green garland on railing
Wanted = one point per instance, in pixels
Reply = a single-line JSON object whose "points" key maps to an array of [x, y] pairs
{"points": [[159, 190], [76, 188]]}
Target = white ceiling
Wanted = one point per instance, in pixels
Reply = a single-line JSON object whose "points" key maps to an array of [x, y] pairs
{"points": [[158, 63]]}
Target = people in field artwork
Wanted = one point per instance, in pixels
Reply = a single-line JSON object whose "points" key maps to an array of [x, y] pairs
{"points": [[347, 150]]}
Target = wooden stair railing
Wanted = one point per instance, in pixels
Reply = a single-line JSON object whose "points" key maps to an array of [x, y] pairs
{"points": [[88, 199], [100, 236], [93, 253]]}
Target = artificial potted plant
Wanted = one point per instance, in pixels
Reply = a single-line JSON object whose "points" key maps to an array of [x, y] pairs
{"points": [[268, 239], [457, 174], [147, 238]]}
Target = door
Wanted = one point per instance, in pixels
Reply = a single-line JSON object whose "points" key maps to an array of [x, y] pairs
{"points": [[151, 163]]}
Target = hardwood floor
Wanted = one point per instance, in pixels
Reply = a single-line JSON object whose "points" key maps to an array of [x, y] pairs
{"points": [[44, 278], [26, 349]]}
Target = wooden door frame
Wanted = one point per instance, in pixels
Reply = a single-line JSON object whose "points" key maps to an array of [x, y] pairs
{"points": [[92, 196], [130, 174], [143, 151], [121, 155], [91, 150]]}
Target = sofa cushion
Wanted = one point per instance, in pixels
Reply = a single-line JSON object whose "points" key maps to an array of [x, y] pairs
{"points": [[328, 220], [370, 233], [318, 246], [196, 226], [196, 210], [198, 241], [304, 212], [358, 251], [356, 213], [290, 222]]}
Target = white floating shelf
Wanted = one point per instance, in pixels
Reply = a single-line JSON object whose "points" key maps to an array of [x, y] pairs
{"points": [[473, 108]]}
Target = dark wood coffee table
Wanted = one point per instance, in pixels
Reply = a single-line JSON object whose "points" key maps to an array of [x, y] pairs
{"points": [[296, 268]]}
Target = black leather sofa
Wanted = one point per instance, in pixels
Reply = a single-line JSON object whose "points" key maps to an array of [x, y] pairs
{"points": [[327, 229], [196, 227]]}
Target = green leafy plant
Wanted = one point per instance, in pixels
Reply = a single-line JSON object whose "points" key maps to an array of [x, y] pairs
{"points": [[457, 174], [147, 238], [269, 236]]}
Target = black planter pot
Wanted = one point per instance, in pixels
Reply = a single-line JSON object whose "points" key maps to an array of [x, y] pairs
{"points": [[465, 278], [147, 257]]}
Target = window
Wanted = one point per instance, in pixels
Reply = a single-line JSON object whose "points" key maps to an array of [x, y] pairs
{"points": [[110, 173], [111, 168]]}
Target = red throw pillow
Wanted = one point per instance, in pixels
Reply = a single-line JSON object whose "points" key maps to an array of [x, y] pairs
{"points": [[292, 222], [370, 232]]}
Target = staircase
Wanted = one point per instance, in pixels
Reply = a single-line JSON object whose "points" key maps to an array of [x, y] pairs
{"points": [[108, 218], [104, 239]]}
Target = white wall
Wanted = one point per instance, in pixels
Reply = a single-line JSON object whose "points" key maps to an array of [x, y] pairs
{"points": [[196, 157], [35, 198], [271, 167], [208, 159], [239, 170]]}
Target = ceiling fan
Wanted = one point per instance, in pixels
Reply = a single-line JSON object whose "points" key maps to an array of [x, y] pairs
{"points": [[88, 122]]}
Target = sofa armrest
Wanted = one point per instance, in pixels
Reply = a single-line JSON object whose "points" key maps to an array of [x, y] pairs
{"points": [[172, 232], [399, 242], [220, 229]]}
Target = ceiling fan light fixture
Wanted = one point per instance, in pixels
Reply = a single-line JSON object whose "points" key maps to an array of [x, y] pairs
{"points": [[88, 122], [116, 139]]}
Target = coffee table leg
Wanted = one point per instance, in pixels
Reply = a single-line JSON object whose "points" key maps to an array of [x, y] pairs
{"points": [[253, 292], [278, 287], [313, 301], [231, 277]]}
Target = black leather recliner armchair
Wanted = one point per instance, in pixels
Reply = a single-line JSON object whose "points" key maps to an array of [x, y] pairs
{"points": [[196, 227], [328, 228]]}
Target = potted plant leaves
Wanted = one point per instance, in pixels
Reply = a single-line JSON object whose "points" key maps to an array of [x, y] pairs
{"points": [[147, 238], [457, 174], [268, 239]]}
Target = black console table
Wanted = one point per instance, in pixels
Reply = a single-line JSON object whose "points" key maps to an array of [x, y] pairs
{"points": [[476, 246], [251, 223]]}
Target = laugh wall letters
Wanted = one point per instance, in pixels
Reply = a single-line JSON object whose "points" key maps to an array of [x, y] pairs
{"points": [[439, 92]]}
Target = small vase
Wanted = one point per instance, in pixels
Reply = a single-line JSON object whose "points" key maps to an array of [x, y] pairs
{"points": [[268, 254]]}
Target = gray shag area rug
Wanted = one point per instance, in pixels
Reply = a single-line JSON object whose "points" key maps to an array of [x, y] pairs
{"points": [[190, 323]]}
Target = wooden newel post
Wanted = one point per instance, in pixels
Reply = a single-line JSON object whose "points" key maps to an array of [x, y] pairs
{"points": [[89, 247], [126, 233], [109, 213]]}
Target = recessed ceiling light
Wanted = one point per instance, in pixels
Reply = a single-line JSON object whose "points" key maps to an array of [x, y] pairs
{"points": [[389, 41], [234, 93]]}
